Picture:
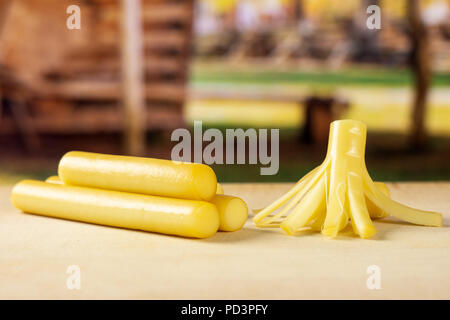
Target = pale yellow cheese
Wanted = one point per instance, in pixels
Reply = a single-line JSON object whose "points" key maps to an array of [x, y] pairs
{"points": [[57, 180], [233, 212], [219, 189], [374, 211], [138, 175], [338, 191], [188, 218]]}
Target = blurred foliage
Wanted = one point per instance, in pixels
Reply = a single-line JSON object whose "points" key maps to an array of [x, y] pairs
{"points": [[352, 77]]}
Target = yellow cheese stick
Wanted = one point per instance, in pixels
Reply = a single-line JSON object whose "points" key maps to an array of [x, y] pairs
{"points": [[219, 189], [233, 212], [57, 180], [374, 211], [188, 218], [138, 175]]}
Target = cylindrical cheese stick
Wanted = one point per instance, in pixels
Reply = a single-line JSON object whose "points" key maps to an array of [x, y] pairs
{"points": [[138, 175], [233, 212], [374, 211], [57, 180], [219, 189], [231, 209], [189, 218]]}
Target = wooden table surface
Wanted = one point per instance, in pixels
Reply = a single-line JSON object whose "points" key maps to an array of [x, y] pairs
{"points": [[414, 261]]}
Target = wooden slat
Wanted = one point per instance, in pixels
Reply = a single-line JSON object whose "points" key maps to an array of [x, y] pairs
{"points": [[146, 2], [153, 40], [154, 14], [93, 66], [4, 9], [111, 90], [166, 92], [96, 120]]}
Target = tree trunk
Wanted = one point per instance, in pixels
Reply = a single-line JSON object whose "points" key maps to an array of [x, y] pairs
{"points": [[420, 64]]}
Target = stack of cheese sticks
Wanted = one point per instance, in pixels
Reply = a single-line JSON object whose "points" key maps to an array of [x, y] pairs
{"points": [[147, 194]]}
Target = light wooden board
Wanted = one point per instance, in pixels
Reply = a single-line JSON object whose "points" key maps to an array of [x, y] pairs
{"points": [[35, 253]]}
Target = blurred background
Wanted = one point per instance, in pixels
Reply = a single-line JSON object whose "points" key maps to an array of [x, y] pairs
{"points": [[138, 69]]}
